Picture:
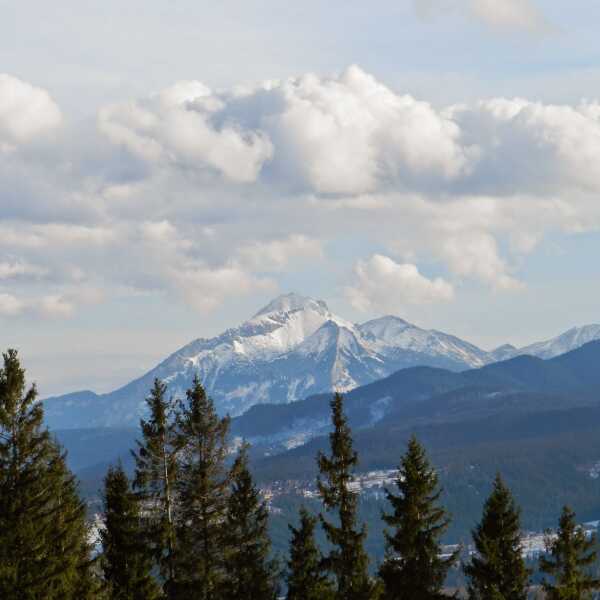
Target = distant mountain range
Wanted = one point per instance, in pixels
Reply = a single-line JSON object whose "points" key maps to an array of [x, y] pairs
{"points": [[420, 397], [293, 348], [535, 420]]}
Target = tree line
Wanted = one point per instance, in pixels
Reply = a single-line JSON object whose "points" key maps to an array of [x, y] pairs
{"points": [[191, 523]]}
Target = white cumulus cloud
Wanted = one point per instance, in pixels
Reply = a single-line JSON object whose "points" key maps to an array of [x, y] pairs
{"points": [[384, 285], [476, 255], [176, 127], [351, 134], [26, 111], [346, 134]]}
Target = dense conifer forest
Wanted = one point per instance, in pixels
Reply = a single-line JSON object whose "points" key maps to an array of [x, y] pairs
{"points": [[192, 524]]}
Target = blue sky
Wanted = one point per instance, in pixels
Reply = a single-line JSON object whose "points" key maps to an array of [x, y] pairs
{"points": [[168, 167]]}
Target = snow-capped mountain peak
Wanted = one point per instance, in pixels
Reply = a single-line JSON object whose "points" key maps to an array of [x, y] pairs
{"points": [[569, 340], [292, 348], [390, 334], [503, 352], [292, 302], [389, 329]]}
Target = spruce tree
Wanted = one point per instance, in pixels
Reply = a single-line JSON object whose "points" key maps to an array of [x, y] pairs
{"points": [[571, 554], [250, 573], [44, 549], [70, 537], [306, 579], [497, 571], [202, 488], [155, 475], [126, 560], [347, 561], [413, 568]]}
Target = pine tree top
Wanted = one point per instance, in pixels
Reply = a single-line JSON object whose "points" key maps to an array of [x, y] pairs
{"points": [[159, 408], [18, 406], [570, 555], [501, 517], [156, 453], [336, 470], [414, 567], [498, 569], [347, 561]]}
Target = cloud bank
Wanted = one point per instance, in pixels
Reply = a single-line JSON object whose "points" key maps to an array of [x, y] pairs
{"points": [[200, 195], [348, 134]]}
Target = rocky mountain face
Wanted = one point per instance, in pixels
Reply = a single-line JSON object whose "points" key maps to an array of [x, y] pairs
{"points": [[293, 348]]}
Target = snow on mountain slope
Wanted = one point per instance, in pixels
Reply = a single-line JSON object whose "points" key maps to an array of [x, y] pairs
{"points": [[565, 342], [570, 340], [342, 354], [503, 352], [390, 334], [292, 348], [295, 346]]}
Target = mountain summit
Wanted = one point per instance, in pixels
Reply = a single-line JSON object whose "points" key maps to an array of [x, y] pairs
{"points": [[292, 348], [291, 302]]}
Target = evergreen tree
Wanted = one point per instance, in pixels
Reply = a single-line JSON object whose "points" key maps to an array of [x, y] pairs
{"points": [[413, 568], [155, 475], [571, 554], [347, 561], [497, 571], [44, 550], [305, 578], [250, 573], [70, 535], [126, 560], [202, 488]]}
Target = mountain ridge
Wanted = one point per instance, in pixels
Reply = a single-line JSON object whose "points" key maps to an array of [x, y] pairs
{"points": [[292, 348], [423, 399]]}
